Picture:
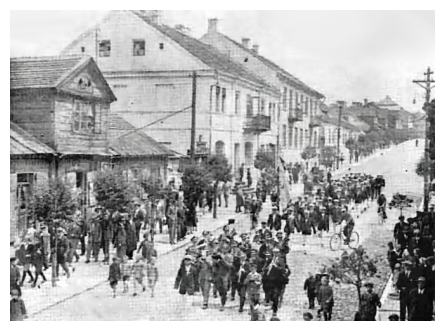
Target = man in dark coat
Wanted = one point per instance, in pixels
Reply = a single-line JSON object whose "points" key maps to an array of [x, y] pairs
{"points": [[326, 298], [61, 242], [222, 263], [420, 302], [187, 277], [274, 278], [274, 220], [310, 286], [369, 301], [405, 283]]}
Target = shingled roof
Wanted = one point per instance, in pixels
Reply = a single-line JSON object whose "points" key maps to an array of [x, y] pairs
{"points": [[206, 53], [127, 141], [23, 143], [292, 80], [49, 71]]}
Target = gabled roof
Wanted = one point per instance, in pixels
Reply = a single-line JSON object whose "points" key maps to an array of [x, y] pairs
{"points": [[334, 121], [206, 53], [292, 80], [49, 72], [23, 143], [127, 141]]}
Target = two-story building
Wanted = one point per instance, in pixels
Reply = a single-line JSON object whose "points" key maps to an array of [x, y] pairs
{"points": [[63, 102], [299, 103], [150, 67]]}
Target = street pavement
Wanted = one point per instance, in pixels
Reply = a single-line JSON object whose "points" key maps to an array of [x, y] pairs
{"points": [[87, 295]]}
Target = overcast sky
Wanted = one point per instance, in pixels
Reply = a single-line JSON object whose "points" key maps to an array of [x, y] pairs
{"points": [[346, 55]]}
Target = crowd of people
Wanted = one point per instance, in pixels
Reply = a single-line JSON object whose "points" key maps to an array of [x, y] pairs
{"points": [[411, 259], [248, 266]]}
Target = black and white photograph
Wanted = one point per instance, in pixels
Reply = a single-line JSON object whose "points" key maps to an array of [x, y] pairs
{"points": [[222, 165]]}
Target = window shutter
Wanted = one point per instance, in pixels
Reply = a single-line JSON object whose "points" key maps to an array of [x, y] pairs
{"points": [[97, 111]]}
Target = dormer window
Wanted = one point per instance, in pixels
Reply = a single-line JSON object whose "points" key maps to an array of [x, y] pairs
{"points": [[138, 47], [161, 45], [104, 48], [82, 49], [84, 116]]}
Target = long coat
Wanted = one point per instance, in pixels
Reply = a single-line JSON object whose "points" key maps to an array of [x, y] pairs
{"points": [[131, 238], [187, 282], [274, 223], [421, 305]]}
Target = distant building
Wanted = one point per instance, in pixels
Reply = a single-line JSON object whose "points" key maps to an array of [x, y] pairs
{"points": [[149, 66], [299, 103]]}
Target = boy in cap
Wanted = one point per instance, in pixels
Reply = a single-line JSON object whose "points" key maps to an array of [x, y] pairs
{"points": [[17, 307], [152, 275], [186, 279], [138, 271], [114, 274], [126, 269], [253, 283]]}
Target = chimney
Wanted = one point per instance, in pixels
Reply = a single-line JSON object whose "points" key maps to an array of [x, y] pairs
{"points": [[213, 25], [255, 48], [152, 15], [245, 42], [365, 102]]}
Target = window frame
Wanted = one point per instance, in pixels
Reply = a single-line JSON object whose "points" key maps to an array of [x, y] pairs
{"points": [[82, 127], [102, 52], [137, 42]]}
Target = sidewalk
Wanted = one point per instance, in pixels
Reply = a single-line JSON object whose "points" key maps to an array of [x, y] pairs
{"points": [[89, 276]]}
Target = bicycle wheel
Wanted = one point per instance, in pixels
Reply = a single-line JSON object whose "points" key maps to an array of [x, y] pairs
{"points": [[335, 242], [354, 240]]}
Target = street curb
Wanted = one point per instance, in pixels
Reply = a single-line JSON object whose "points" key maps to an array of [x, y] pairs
{"points": [[182, 245]]}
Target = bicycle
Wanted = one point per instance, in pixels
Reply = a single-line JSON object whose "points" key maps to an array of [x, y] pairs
{"points": [[337, 239]]}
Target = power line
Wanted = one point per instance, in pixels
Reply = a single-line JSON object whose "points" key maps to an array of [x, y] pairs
{"points": [[154, 122]]}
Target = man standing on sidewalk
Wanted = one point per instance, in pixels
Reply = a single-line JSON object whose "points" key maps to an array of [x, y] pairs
{"points": [[405, 284], [369, 302], [226, 192]]}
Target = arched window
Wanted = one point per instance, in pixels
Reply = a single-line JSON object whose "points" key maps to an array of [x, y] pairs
{"points": [[219, 147]]}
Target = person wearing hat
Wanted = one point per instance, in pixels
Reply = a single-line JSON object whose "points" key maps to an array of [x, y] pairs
{"points": [[405, 283], [369, 301], [274, 220], [421, 302], [325, 297], [186, 278], [62, 244], [222, 264], [205, 276], [253, 283]]}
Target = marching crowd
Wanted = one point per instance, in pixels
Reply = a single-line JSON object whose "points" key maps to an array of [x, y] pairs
{"points": [[251, 266]]}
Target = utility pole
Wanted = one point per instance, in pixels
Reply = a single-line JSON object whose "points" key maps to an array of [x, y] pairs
{"points": [[193, 129], [426, 84], [340, 109]]}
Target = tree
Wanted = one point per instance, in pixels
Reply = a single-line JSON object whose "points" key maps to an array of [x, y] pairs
{"points": [[218, 169], [264, 160], [54, 200], [112, 189], [420, 168], [194, 180], [309, 153], [327, 156], [353, 268]]}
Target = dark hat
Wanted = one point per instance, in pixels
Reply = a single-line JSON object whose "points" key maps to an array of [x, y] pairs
{"points": [[369, 284], [231, 221], [263, 222]]}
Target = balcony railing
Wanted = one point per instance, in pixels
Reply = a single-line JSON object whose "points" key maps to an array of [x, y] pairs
{"points": [[257, 124], [295, 115]]}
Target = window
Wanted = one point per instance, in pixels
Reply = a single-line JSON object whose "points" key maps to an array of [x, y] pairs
{"points": [[262, 106], [223, 100], [301, 138], [217, 93], [84, 116], [237, 101], [104, 48], [249, 105], [290, 136], [296, 99], [25, 183], [285, 99], [161, 45], [246, 59], [291, 99], [138, 47], [296, 138], [284, 135], [82, 49]]}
